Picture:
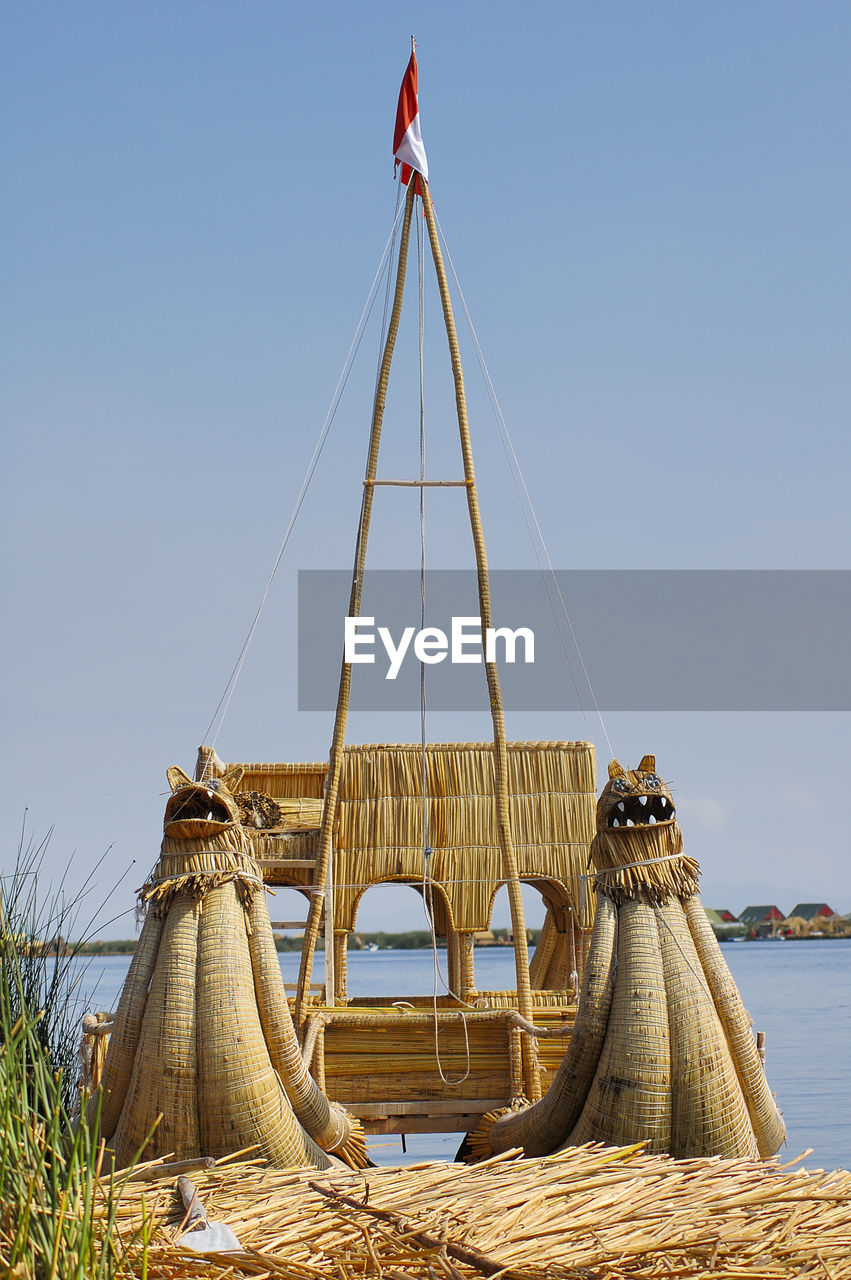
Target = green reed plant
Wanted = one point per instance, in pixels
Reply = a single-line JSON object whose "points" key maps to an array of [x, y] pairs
{"points": [[57, 1201]]}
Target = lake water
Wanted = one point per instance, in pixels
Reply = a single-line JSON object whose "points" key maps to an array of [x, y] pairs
{"points": [[799, 994]]}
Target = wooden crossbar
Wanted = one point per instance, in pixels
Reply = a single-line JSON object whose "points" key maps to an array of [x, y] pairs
{"points": [[422, 484]]}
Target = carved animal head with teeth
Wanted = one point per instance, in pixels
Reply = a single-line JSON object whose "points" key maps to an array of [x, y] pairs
{"points": [[198, 809], [634, 798]]}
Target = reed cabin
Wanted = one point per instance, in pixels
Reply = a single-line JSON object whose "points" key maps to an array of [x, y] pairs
{"points": [[377, 1055]]}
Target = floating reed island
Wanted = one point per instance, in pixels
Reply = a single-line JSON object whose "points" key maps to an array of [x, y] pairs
{"points": [[590, 1213]]}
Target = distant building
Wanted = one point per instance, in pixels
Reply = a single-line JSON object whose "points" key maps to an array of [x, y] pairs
{"points": [[720, 915], [760, 921], [812, 911], [761, 915]]}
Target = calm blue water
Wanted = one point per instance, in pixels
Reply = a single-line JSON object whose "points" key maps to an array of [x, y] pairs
{"points": [[799, 994]]}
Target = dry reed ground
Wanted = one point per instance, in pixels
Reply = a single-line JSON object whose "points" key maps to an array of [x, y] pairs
{"points": [[589, 1212]]}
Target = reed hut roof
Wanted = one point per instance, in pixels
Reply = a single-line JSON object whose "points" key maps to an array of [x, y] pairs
{"points": [[380, 834]]}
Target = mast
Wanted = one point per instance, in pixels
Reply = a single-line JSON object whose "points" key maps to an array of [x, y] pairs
{"points": [[418, 186], [510, 870], [335, 759]]}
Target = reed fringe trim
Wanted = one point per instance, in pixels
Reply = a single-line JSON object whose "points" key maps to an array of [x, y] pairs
{"points": [[643, 863], [199, 866]]}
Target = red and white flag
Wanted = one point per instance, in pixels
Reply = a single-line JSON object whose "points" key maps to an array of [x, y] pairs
{"points": [[407, 141]]}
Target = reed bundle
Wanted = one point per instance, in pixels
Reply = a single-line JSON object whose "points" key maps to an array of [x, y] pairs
{"points": [[662, 1051], [260, 811], [204, 1058], [590, 1212]]}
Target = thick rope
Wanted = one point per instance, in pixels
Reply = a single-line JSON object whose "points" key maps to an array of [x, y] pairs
{"points": [[230, 688]]}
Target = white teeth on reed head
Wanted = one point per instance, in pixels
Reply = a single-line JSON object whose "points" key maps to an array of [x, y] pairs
{"points": [[642, 800], [652, 820], [615, 822], [620, 806], [664, 803], [629, 822]]}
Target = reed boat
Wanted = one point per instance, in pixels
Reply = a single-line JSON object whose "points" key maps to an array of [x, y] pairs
{"points": [[624, 1027]]}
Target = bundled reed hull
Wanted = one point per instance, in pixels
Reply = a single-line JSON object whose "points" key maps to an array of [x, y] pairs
{"points": [[631, 1090], [709, 1112], [562, 1104], [124, 1041], [235, 1073], [160, 1112], [189, 1071], [765, 1117], [677, 1067]]}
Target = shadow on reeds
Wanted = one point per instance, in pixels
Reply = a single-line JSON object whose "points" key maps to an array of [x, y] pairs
{"points": [[57, 1198]]}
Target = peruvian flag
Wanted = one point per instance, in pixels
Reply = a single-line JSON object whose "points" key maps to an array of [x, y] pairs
{"points": [[407, 141]]}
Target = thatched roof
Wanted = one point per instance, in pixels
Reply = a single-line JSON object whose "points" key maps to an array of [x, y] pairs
{"points": [[379, 835]]}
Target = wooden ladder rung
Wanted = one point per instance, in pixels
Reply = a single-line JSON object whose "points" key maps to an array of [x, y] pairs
{"points": [[288, 924], [421, 484]]}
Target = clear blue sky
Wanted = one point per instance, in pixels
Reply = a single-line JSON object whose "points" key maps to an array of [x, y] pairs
{"points": [[649, 209]]}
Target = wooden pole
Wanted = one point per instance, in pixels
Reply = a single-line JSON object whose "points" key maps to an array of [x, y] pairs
{"points": [[330, 957], [531, 1071], [335, 761]]}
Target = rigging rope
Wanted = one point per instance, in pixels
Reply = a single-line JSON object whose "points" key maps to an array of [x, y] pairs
{"points": [[508, 444], [428, 887], [221, 710]]}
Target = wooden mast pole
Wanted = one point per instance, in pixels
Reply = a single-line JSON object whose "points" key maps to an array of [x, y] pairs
{"points": [[531, 1072], [335, 759]]}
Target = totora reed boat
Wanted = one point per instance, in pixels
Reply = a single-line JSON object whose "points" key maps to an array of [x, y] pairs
{"points": [[624, 1028]]}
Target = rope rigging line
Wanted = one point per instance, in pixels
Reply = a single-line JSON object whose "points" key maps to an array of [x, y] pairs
{"points": [[221, 710], [524, 993], [517, 470], [388, 293], [428, 889]]}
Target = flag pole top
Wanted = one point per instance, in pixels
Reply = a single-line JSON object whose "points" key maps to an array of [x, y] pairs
{"points": [[413, 44]]}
